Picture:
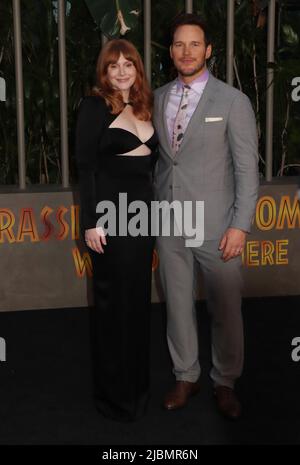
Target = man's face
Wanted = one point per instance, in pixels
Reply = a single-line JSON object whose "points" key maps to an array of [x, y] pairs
{"points": [[189, 52]]}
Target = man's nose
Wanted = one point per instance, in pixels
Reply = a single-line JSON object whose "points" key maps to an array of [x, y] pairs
{"points": [[186, 50]]}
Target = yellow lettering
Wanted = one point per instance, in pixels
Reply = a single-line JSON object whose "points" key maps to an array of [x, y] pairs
{"points": [[27, 226], [82, 263], [288, 214], [266, 205], [46, 211], [267, 251], [7, 221], [252, 254], [64, 227], [281, 253], [75, 221]]}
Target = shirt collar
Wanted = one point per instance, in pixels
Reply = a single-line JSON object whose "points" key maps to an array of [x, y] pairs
{"points": [[197, 84]]}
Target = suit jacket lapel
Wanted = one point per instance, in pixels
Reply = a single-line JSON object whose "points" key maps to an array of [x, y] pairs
{"points": [[163, 102], [196, 122]]}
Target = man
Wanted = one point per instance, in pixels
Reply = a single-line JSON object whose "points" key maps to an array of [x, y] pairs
{"points": [[208, 152]]}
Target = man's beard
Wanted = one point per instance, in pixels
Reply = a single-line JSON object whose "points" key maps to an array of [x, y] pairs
{"points": [[193, 71]]}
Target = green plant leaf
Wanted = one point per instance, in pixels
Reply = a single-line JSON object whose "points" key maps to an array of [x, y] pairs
{"points": [[110, 24], [290, 36], [105, 15]]}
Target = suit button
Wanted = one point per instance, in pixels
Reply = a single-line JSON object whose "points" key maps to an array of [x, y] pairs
{"points": [[175, 163], [170, 187]]}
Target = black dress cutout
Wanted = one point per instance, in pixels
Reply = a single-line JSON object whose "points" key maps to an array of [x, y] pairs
{"points": [[122, 275]]}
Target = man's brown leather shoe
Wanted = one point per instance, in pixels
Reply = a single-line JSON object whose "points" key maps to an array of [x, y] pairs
{"points": [[227, 402], [180, 394]]}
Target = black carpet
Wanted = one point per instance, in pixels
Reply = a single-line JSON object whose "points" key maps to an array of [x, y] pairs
{"points": [[46, 383]]}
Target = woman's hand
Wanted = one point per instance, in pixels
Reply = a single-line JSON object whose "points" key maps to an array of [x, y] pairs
{"points": [[95, 239]]}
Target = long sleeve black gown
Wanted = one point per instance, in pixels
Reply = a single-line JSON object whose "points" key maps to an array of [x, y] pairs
{"points": [[122, 275]]}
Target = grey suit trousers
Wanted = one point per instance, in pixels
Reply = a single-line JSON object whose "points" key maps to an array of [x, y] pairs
{"points": [[223, 285]]}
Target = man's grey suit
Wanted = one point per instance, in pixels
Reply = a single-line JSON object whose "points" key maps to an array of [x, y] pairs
{"points": [[216, 163]]}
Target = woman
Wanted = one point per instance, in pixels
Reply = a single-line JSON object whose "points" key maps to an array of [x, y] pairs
{"points": [[115, 141]]}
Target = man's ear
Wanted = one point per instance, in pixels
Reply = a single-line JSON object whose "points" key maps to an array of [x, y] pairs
{"points": [[171, 54], [208, 52]]}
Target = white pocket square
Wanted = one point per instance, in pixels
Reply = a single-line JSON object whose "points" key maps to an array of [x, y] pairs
{"points": [[213, 119]]}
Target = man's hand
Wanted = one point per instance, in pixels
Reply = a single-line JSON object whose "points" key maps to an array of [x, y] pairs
{"points": [[232, 243], [95, 238]]}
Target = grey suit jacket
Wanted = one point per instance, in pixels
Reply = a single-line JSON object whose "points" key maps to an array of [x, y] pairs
{"points": [[217, 161]]}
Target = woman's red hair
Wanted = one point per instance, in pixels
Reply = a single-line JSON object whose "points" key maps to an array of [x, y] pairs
{"points": [[140, 93]]}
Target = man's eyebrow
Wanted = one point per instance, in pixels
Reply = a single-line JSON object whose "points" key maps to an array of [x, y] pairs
{"points": [[191, 42]]}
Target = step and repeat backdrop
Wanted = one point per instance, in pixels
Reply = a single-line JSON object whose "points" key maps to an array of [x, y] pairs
{"points": [[45, 264]]}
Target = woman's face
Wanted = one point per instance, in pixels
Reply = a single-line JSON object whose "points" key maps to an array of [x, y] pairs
{"points": [[121, 74]]}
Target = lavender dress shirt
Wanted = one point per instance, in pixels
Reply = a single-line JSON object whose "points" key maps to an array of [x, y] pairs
{"points": [[197, 88]]}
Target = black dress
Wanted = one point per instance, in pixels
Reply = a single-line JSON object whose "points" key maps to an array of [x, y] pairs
{"points": [[122, 275]]}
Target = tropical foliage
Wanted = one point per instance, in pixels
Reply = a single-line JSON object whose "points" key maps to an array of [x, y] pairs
{"points": [[85, 20], [116, 17]]}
